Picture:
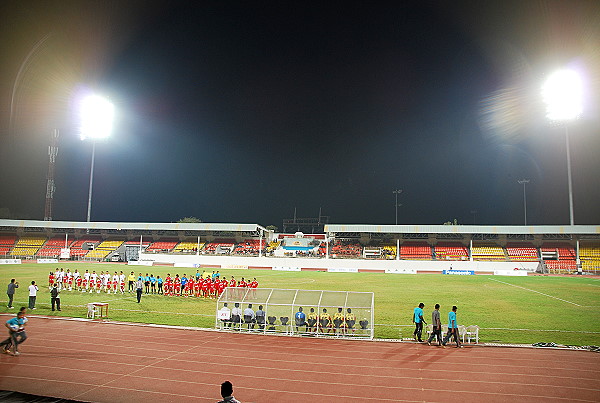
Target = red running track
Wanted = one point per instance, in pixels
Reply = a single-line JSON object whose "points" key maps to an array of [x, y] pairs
{"points": [[109, 362]]}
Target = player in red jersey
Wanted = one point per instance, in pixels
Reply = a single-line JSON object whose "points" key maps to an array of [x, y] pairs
{"points": [[168, 284], [50, 280], [242, 283], [253, 283], [232, 282], [206, 288], [177, 285], [79, 283], [198, 287], [84, 285], [212, 288], [98, 284], [189, 287]]}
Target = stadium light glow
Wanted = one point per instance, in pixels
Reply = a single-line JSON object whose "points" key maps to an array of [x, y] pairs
{"points": [[97, 114], [563, 95]]}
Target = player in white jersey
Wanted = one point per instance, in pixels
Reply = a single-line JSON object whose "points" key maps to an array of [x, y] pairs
{"points": [[115, 282], [76, 281], [86, 281]]}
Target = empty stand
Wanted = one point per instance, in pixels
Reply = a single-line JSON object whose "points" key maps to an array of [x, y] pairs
{"points": [[162, 245], [7, 242], [488, 252], [415, 251], [451, 251], [28, 245], [521, 252]]}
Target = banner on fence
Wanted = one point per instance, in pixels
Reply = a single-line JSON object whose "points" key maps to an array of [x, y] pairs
{"points": [[140, 262], [401, 271], [286, 268], [47, 260], [343, 270], [10, 261], [460, 272]]}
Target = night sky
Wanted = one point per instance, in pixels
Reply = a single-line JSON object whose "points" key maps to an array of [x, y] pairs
{"points": [[243, 111]]}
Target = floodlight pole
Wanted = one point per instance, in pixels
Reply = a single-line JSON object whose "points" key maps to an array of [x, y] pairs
{"points": [[571, 218], [397, 192], [89, 206], [524, 182]]}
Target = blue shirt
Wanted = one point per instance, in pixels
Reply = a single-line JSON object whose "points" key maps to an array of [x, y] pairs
{"points": [[152, 279], [160, 280], [300, 316], [15, 322], [147, 278], [418, 313], [452, 318], [183, 281]]}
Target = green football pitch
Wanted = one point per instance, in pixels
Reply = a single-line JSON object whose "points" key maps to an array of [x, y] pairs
{"points": [[564, 310]]}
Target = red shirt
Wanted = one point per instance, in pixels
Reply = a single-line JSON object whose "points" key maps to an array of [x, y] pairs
{"points": [[242, 284], [254, 284]]}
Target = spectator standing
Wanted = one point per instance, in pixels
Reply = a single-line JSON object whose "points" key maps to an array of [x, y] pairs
{"points": [[16, 333], [452, 328], [418, 321], [437, 325], [227, 393], [11, 291], [139, 288], [55, 297], [33, 289]]}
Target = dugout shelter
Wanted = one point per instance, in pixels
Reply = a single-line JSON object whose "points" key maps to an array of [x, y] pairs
{"points": [[281, 305]]}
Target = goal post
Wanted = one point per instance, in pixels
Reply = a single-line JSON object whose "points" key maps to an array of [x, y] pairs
{"points": [[343, 314]]}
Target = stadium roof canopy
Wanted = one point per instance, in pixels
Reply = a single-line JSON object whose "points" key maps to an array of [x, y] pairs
{"points": [[135, 226], [465, 229]]}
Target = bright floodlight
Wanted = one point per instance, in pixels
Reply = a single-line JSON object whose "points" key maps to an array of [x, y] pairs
{"points": [[96, 117], [562, 93]]}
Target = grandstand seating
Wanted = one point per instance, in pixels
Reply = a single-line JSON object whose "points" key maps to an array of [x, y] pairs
{"points": [[559, 257], [28, 245], [273, 245], [491, 252], [589, 254], [188, 246], [389, 251], [77, 245], [104, 249], [219, 245], [522, 252], [451, 251], [162, 245], [249, 247], [7, 242], [415, 251], [346, 249], [52, 247]]}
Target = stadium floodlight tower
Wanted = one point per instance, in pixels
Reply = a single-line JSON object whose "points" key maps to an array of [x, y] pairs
{"points": [[97, 115], [563, 95]]}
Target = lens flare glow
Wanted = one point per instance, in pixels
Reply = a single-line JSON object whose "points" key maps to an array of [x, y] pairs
{"points": [[97, 115], [563, 95]]}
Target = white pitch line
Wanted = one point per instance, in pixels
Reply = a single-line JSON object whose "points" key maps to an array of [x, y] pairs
{"points": [[538, 292]]}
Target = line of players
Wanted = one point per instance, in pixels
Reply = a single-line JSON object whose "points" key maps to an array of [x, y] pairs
{"points": [[88, 282], [200, 286], [196, 286]]}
